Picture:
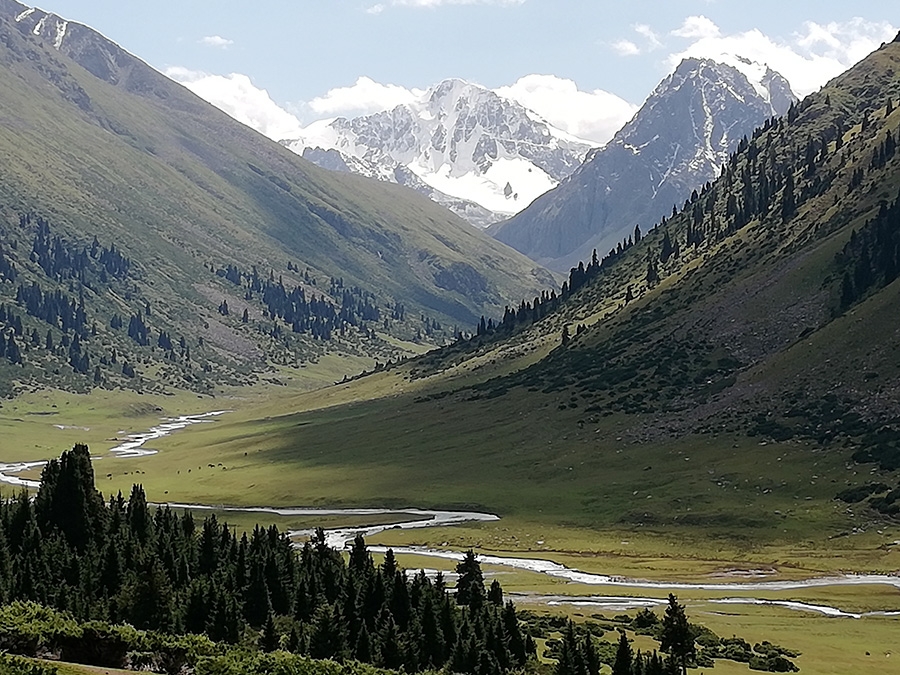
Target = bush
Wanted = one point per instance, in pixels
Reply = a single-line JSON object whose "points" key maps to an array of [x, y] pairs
{"points": [[856, 494], [16, 665], [644, 619]]}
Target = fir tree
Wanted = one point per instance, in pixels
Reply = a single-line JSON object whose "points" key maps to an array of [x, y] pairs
{"points": [[677, 637], [624, 657], [470, 585]]}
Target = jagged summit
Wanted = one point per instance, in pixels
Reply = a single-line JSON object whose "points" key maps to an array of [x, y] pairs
{"points": [[677, 141], [484, 156]]}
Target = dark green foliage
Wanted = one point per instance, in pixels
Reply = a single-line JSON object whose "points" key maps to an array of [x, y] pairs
{"points": [[871, 259], [318, 315], [156, 570], [15, 665], [67, 501], [470, 586], [27, 627], [882, 447], [646, 618], [857, 494], [624, 657], [495, 593], [677, 636], [576, 653], [91, 296]]}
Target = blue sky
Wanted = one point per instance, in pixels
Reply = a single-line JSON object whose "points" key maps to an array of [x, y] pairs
{"points": [[604, 57]]}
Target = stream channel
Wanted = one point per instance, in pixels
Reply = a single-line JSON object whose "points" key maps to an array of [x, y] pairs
{"points": [[133, 446]]}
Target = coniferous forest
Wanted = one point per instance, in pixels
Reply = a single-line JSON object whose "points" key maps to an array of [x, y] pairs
{"points": [[121, 583], [123, 562]]}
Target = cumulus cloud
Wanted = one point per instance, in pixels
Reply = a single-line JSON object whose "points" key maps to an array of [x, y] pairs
{"points": [[808, 58], [697, 27], [381, 6], [591, 115], [365, 96], [216, 41], [649, 35], [626, 48], [236, 95], [645, 35]]}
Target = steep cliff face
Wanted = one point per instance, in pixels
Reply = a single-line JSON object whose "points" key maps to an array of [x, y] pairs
{"points": [[677, 141]]}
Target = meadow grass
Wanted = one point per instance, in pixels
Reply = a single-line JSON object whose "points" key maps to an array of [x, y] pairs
{"points": [[828, 646]]}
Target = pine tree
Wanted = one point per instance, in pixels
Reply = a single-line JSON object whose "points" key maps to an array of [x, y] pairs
{"points": [[624, 657], [677, 637], [569, 661], [788, 199], [470, 585], [391, 650], [363, 651], [329, 636], [495, 594], [268, 639]]}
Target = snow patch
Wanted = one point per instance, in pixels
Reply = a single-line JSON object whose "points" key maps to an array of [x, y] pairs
{"points": [[488, 189], [61, 27], [754, 71], [24, 15]]}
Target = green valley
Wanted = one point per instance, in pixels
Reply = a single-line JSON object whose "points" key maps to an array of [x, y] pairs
{"points": [[710, 409], [238, 258]]}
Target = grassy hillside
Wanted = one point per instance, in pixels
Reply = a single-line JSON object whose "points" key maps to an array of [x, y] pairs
{"points": [[123, 154], [721, 387]]}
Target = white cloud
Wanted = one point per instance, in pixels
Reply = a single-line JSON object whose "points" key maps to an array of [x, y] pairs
{"points": [[649, 35], [381, 6], [236, 95], [697, 27], [363, 97], [648, 38], [592, 115], [626, 48], [808, 59], [216, 41]]}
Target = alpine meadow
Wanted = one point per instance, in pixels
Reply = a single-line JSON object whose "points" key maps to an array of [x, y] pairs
{"points": [[260, 416]]}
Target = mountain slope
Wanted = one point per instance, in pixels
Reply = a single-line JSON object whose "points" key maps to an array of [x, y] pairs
{"points": [[482, 156], [122, 153], [677, 141], [718, 378]]}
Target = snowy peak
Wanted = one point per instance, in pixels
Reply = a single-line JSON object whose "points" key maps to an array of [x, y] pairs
{"points": [[694, 119], [485, 153], [677, 141]]}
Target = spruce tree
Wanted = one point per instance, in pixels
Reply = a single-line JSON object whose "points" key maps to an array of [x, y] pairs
{"points": [[470, 585], [329, 636], [624, 657], [495, 594], [677, 637], [268, 639]]}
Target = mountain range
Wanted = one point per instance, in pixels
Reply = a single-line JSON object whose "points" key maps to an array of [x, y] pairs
{"points": [[676, 142], [483, 156], [254, 256], [733, 373]]}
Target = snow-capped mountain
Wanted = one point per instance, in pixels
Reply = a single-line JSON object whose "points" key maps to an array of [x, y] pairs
{"points": [[484, 156], [678, 140]]}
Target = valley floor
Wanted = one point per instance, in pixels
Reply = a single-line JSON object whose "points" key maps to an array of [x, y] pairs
{"points": [[241, 459]]}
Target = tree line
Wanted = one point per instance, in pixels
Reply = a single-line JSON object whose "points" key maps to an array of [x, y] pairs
{"points": [[121, 561], [871, 258]]}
